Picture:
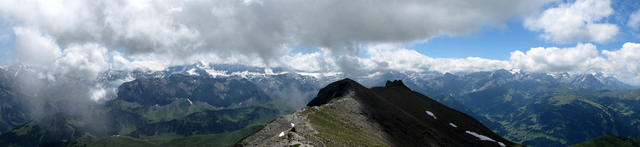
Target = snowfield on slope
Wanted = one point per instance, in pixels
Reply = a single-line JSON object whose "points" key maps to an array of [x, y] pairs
{"points": [[482, 137], [431, 114], [453, 125]]}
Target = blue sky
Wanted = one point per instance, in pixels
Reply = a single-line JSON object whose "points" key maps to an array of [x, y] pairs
{"points": [[498, 43], [7, 40], [491, 43]]}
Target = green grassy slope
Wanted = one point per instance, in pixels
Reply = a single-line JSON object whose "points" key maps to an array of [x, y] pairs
{"points": [[610, 141], [212, 140], [333, 130]]}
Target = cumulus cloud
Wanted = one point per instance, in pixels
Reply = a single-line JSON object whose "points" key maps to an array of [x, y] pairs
{"points": [[581, 20], [264, 28], [81, 62], [387, 57], [32, 47], [84, 61], [319, 61], [80, 39], [626, 61], [397, 58], [583, 58], [554, 59], [469, 64]]}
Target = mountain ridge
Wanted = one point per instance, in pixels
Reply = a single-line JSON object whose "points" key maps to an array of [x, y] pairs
{"points": [[484, 95], [377, 113]]}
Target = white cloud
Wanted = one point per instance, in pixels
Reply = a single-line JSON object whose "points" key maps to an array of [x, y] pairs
{"points": [[398, 58], [583, 58], [33, 48], [406, 59], [98, 93], [254, 27], [86, 60], [155, 34], [554, 59], [625, 63], [311, 62], [83, 62], [469, 64], [634, 20], [386, 57], [579, 21]]}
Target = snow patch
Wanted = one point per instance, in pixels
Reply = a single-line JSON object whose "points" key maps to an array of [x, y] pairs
{"points": [[453, 125], [214, 73], [268, 71], [554, 75], [247, 74], [281, 134], [431, 114], [319, 74], [191, 103], [192, 72], [201, 64], [501, 144], [315, 75], [481, 137], [514, 71], [293, 125]]}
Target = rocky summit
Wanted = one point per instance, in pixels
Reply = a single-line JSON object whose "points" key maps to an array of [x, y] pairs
{"points": [[345, 113]]}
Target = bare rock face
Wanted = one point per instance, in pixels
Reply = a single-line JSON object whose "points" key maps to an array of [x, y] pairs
{"points": [[347, 114]]}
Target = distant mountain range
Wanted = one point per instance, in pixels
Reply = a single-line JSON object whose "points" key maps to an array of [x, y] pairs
{"points": [[171, 110], [164, 108]]}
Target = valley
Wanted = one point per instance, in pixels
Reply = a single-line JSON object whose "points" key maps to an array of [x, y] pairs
{"points": [[218, 105]]}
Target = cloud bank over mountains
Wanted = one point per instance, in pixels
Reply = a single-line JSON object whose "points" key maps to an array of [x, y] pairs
{"points": [[623, 63], [89, 37]]}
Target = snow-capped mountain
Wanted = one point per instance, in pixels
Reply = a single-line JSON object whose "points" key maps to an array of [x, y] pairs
{"points": [[278, 79], [482, 95], [445, 83]]}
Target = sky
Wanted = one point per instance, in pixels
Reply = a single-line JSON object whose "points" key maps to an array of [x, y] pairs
{"points": [[355, 36]]}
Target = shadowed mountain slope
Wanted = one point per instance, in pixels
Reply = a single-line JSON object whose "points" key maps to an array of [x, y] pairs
{"points": [[345, 113]]}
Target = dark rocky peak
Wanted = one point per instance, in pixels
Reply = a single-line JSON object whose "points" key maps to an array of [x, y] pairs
{"points": [[335, 91], [449, 76], [393, 115], [500, 73], [396, 84]]}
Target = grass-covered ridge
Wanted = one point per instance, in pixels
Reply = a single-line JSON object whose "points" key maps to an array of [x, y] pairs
{"points": [[218, 139], [610, 141], [333, 130]]}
